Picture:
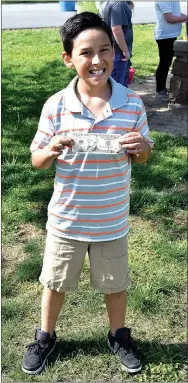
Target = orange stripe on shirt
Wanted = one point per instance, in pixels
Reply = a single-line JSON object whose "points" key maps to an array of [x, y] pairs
{"points": [[96, 161], [93, 178], [46, 134], [93, 207], [130, 95], [136, 130], [90, 193], [66, 112], [89, 220], [47, 116], [126, 111], [84, 233]]}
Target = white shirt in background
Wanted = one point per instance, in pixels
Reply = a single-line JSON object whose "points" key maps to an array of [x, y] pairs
{"points": [[163, 29]]}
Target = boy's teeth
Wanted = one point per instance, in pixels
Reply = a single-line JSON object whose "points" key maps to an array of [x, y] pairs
{"points": [[97, 72]]}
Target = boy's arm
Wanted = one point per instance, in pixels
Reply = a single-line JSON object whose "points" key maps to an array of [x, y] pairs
{"points": [[43, 158], [46, 145], [138, 143]]}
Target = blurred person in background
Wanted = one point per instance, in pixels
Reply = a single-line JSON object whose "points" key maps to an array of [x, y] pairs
{"points": [[129, 65], [117, 15], [167, 29]]}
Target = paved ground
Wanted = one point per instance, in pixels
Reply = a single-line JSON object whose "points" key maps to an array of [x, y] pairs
{"points": [[15, 16], [20, 16], [160, 116]]}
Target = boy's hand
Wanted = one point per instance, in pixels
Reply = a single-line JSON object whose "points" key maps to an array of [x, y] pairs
{"points": [[56, 146], [133, 142], [136, 146]]}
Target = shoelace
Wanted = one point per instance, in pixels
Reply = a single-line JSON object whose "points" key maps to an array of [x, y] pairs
{"points": [[127, 344], [35, 347]]}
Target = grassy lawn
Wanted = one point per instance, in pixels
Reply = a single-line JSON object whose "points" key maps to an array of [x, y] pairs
{"points": [[32, 71]]}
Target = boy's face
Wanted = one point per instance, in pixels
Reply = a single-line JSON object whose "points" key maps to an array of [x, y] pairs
{"points": [[92, 57]]}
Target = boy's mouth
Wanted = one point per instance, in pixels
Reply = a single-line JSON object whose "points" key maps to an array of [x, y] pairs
{"points": [[97, 72]]}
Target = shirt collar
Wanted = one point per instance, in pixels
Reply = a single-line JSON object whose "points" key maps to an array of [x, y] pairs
{"points": [[73, 104]]}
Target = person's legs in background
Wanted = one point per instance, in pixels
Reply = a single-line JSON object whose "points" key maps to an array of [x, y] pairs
{"points": [[119, 69], [166, 52]]}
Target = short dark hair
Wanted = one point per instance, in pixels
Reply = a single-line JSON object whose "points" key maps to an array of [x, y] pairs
{"points": [[79, 23]]}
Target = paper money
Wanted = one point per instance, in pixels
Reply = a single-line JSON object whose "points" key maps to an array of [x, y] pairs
{"points": [[96, 142]]}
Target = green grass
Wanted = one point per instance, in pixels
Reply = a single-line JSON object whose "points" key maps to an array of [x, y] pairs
{"points": [[32, 71]]}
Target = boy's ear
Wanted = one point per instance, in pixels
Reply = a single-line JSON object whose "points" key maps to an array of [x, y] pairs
{"points": [[67, 60]]}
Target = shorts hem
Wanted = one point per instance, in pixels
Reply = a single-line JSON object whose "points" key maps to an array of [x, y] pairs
{"points": [[110, 290], [61, 289]]}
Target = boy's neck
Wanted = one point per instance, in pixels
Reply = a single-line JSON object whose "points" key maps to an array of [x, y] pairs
{"points": [[84, 90], [94, 99]]}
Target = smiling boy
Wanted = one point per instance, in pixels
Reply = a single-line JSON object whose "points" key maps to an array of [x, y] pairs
{"points": [[89, 208]]}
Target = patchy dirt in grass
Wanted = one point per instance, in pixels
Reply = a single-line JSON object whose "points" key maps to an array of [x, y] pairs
{"points": [[12, 254], [27, 232], [160, 115]]}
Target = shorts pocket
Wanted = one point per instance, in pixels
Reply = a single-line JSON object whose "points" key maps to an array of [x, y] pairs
{"points": [[114, 249]]}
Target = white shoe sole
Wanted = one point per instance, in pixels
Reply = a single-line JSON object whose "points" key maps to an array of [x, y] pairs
{"points": [[131, 370], [41, 368]]}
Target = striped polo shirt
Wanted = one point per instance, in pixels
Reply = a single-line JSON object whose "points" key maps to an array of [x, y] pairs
{"points": [[90, 201]]}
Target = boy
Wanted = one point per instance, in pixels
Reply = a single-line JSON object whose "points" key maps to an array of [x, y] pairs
{"points": [[88, 211]]}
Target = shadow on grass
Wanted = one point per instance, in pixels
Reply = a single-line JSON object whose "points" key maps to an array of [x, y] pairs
{"points": [[150, 352], [26, 99]]}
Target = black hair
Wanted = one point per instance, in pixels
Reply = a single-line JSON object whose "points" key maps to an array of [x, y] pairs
{"points": [[79, 23]]}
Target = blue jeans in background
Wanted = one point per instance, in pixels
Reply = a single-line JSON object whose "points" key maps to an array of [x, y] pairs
{"points": [[120, 69]]}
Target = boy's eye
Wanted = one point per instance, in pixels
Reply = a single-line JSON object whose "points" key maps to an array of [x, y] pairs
{"points": [[104, 50], [85, 53]]}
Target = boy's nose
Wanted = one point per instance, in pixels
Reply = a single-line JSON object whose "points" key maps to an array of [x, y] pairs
{"points": [[96, 59]]}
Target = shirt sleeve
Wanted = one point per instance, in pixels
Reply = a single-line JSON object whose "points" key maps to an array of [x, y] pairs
{"points": [[45, 130], [141, 126], [118, 14], [165, 6]]}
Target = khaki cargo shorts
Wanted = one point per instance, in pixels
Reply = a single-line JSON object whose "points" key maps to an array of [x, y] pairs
{"points": [[64, 259]]}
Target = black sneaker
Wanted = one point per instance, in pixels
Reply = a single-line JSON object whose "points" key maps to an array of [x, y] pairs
{"points": [[35, 357], [122, 345], [162, 95]]}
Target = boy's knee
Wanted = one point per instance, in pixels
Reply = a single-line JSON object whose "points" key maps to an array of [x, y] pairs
{"points": [[117, 295]]}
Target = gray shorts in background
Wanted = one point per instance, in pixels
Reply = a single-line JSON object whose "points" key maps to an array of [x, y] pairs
{"points": [[64, 259]]}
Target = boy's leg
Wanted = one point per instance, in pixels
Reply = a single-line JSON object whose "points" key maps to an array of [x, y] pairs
{"points": [[116, 308], [110, 275], [52, 302], [62, 265]]}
